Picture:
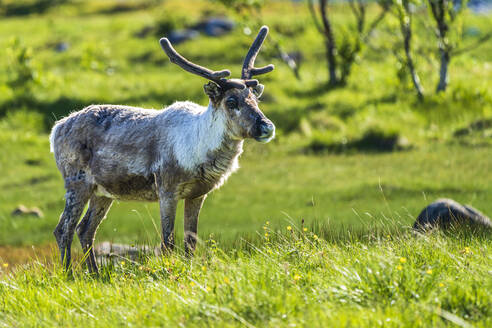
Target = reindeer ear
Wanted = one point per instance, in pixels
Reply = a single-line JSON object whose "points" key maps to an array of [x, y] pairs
{"points": [[213, 90], [258, 90]]}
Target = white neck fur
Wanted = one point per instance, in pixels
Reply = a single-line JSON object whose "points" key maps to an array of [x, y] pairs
{"points": [[203, 131]]}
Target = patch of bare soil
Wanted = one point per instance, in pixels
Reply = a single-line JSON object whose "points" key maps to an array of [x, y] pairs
{"points": [[13, 256]]}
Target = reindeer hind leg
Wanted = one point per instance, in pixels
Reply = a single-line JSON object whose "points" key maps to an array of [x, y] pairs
{"points": [[86, 229], [78, 191]]}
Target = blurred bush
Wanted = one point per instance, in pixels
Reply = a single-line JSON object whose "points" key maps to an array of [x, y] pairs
{"points": [[21, 73]]}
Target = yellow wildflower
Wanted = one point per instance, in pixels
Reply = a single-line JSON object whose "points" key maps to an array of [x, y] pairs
{"points": [[441, 284], [5, 265], [297, 277], [192, 284], [226, 280], [122, 263], [266, 234], [467, 250], [208, 289], [428, 271], [304, 229], [403, 260], [204, 268], [289, 228], [267, 223], [399, 267], [315, 237]]}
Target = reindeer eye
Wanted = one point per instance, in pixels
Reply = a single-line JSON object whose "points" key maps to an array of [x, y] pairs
{"points": [[231, 103]]}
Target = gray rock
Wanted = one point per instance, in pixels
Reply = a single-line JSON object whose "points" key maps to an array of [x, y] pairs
{"points": [[215, 26], [22, 210], [179, 36], [109, 250], [62, 46], [447, 213]]}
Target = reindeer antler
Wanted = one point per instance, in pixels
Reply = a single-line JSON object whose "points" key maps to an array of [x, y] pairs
{"points": [[219, 77], [249, 70], [216, 76]]}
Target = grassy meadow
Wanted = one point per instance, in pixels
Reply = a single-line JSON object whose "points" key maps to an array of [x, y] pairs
{"points": [[295, 279], [348, 259]]}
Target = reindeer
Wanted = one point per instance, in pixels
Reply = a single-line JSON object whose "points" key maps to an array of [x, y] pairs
{"points": [[108, 152]]}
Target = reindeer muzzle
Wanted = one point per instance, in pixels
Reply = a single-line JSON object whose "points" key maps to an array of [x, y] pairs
{"points": [[266, 131]]}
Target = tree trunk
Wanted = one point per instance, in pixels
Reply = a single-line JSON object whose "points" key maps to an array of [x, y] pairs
{"points": [[438, 8], [329, 44], [443, 72], [406, 29], [414, 75], [332, 63]]}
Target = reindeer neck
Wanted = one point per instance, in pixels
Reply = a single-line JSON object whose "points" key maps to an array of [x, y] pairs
{"points": [[229, 147], [222, 159]]}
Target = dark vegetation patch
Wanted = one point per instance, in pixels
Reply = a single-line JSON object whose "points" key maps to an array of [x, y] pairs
{"points": [[476, 126], [374, 140], [122, 7], [33, 162], [28, 7]]}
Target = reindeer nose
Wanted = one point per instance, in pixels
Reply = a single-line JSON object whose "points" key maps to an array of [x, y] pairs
{"points": [[267, 130]]}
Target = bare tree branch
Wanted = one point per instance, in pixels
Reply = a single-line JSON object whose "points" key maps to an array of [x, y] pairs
{"points": [[315, 17], [384, 10], [473, 46]]}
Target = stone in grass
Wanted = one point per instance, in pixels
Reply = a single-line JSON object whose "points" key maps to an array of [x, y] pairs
{"points": [[108, 250], [22, 210], [447, 213]]}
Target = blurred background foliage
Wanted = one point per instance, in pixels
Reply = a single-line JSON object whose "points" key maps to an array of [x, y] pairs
{"points": [[386, 72]]}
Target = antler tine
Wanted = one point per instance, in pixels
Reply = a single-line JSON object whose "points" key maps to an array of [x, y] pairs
{"points": [[249, 61], [216, 76], [251, 83]]}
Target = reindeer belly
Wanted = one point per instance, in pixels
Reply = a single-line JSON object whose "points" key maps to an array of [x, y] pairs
{"points": [[194, 188], [130, 187], [123, 175]]}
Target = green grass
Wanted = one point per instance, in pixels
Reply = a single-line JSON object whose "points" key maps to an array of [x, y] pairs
{"points": [[290, 279], [357, 201]]}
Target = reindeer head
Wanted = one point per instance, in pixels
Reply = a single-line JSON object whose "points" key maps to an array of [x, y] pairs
{"points": [[237, 98]]}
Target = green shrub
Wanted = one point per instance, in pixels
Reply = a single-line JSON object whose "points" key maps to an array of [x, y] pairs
{"points": [[21, 73]]}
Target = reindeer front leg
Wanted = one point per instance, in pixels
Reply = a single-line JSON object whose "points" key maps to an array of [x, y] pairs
{"points": [[192, 209], [168, 201]]}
